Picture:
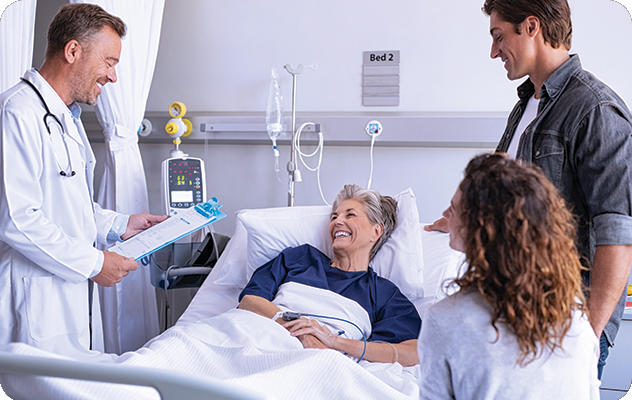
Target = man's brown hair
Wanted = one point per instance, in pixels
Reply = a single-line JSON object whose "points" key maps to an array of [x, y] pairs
{"points": [[80, 22], [554, 16]]}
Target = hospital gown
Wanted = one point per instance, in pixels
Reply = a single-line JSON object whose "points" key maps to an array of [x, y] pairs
{"points": [[393, 317]]}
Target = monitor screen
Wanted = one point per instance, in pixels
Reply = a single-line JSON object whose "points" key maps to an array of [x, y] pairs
{"points": [[181, 196]]}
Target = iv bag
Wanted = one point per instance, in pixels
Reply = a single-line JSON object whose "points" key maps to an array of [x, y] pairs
{"points": [[274, 109]]}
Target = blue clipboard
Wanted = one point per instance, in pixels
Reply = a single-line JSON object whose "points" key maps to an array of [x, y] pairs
{"points": [[179, 225]]}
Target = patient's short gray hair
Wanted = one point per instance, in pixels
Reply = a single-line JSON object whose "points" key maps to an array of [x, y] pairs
{"points": [[379, 209]]}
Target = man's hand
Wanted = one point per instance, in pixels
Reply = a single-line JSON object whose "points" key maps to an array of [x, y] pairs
{"points": [[115, 267], [440, 225], [139, 222]]}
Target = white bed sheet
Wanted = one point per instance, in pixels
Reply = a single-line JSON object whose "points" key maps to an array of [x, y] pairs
{"points": [[239, 348]]}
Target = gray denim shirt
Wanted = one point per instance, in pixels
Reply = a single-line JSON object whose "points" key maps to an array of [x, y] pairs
{"points": [[582, 139]]}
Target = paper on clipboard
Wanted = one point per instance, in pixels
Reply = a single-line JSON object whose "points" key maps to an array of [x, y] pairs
{"points": [[173, 228]]}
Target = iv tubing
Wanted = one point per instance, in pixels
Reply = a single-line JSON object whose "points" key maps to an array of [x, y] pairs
{"points": [[320, 148]]}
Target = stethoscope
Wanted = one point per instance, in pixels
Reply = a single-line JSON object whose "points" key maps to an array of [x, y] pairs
{"points": [[63, 133]]}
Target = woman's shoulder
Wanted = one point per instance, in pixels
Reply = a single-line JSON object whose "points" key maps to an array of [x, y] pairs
{"points": [[302, 251], [381, 281], [389, 291], [462, 304]]}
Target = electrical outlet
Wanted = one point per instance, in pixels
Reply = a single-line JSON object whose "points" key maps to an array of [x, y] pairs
{"points": [[373, 128]]}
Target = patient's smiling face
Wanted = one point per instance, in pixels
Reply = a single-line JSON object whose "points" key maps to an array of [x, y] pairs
{"points": [[350, 228], [455, 225]]}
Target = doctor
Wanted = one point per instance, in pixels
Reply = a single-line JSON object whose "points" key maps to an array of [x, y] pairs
{"points": [[49, 223]]}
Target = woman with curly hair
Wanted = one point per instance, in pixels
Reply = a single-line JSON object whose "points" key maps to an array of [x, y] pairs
{"points": [[517, 325]]}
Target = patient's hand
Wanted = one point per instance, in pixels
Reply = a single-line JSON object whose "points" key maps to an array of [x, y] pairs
{"points": [[311, 342], [440, 225], [310, 331]]}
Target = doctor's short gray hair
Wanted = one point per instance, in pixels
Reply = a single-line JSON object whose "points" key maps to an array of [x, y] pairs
{"points": [[379, 209]]}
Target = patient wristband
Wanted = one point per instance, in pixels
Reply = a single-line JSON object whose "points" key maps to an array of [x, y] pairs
{"points": [[277, 316]]}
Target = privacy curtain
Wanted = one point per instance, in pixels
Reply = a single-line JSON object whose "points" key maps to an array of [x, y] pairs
{"points": [[16, 41], [130, 316]]}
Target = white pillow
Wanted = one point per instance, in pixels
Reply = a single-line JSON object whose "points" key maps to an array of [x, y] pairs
{"points": [[441, 265], [231, 265], [270, 230], [400, 259], [274, 229]]}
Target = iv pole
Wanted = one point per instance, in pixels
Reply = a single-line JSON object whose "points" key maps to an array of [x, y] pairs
{"points": [[293, 172]]}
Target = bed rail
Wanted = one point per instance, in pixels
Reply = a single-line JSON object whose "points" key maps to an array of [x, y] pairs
{"points": [[170, 385]]}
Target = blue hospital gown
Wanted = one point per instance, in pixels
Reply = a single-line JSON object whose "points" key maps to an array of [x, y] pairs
{"points": [[393, 317]]}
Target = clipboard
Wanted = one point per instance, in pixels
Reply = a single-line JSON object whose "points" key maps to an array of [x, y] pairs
{"points": [[179, 225]]}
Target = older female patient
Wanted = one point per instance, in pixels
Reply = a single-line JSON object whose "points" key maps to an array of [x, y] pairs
{"points": [[517, 326], [361, 221]]}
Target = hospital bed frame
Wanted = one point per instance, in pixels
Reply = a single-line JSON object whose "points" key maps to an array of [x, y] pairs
{"points": [[169, 384]]}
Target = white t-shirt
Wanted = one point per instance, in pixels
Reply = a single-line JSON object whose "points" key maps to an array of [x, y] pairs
{"points": [[529, 115], [461, 357]]}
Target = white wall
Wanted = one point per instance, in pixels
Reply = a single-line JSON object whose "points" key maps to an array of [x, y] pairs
{"points": [[216, 55]]}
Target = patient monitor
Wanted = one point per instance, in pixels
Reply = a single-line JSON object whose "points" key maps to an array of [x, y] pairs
{"points": [[183, 183], [182, 177]]}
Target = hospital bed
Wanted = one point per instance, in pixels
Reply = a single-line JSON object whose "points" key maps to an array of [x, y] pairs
{"points": [[174, 364], [168, 384]]}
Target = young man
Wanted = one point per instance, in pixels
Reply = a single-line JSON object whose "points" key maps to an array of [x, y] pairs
{"points": [[578, 131], [49, 222]]}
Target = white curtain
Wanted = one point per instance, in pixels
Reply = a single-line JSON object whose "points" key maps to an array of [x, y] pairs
{"points": [[16, 41], [130, 316]]}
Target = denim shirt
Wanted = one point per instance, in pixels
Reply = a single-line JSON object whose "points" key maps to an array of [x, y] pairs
{"points": [[581, 138]]}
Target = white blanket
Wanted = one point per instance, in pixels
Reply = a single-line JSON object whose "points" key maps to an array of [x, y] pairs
{"points": [[241, 348], [322, 303]]}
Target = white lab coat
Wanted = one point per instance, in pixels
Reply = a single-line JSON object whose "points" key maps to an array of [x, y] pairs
{"points": [[48, 225]]}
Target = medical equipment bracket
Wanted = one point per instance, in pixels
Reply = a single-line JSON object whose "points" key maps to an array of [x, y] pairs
{"points": [[479, 130]]}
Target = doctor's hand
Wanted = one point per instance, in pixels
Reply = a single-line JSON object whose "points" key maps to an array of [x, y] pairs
{"points": [[115, 267], [440, 225], [139, 222]]}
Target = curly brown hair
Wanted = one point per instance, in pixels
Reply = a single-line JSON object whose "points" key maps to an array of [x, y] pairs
{"points": [[519, 243]]}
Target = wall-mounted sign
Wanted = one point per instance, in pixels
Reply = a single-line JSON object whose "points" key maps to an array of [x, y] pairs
{"points": [[380, 78]]}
